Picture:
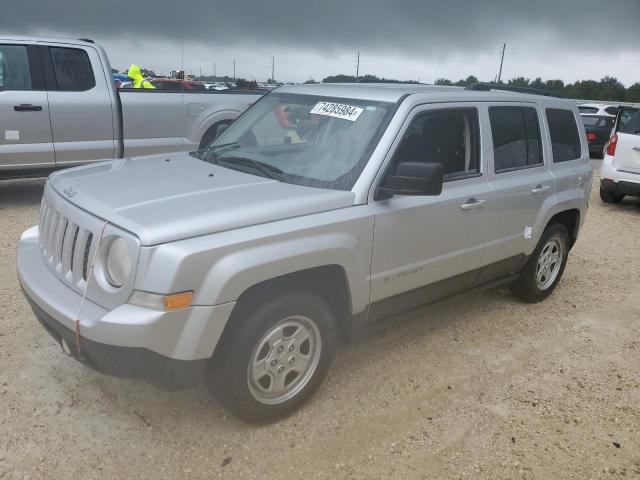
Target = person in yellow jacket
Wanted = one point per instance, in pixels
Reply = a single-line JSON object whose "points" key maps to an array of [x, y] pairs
{"points": [[136, 77]]}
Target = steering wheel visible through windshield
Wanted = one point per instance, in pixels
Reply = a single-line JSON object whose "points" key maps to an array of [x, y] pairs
{"points": [[303, 139]]}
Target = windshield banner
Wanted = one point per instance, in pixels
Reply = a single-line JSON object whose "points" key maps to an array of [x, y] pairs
{"points": [[337, 110]]}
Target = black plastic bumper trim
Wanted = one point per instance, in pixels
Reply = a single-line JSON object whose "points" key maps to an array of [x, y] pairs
{"points": [[131, 362]]}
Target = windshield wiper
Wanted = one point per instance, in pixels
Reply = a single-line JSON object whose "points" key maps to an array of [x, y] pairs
{"points": [[266, 169]]}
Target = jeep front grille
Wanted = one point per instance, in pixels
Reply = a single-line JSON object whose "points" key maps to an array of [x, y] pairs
{"points": [[65, 245]]}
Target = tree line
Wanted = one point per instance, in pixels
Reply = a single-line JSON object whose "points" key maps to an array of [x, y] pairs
{"points": [[605, 89]]}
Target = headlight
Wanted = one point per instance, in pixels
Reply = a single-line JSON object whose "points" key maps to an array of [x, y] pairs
{"points": [[118, 263]]}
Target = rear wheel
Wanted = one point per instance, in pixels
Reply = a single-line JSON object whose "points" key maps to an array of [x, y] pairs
{"points": [[609, 197], [543, 270], [275, 357]]}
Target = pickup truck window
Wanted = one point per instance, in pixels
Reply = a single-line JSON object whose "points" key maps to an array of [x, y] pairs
{"points": [[15, 73], [303, 139], [448, 137], [565, 139], [516, 138], [73, 69]]}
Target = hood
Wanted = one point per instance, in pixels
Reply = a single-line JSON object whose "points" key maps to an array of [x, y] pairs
{"points": [[134, 72], [166, 198]]}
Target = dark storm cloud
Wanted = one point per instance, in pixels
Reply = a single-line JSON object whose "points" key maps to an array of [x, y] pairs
{"points": [[411, 26]]}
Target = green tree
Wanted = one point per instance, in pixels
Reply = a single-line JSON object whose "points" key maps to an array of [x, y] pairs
{"points": [[443, 81], [633, 93]]}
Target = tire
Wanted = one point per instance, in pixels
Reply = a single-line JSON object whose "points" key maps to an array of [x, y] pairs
{"points": [[533, 287], [211, 134], [609, 197], [266, 337]]}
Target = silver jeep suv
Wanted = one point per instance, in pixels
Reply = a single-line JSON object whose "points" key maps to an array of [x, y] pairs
{"points": [[321, 210]]}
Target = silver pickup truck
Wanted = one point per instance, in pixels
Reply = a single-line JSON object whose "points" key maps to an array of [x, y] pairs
{"points": [[59, 107], [321, 210]]}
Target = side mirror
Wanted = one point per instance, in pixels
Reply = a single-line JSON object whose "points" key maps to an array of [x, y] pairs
{"points": [[412, 178]]}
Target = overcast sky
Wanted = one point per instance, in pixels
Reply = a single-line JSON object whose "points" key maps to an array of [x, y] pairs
{"points": [[406, 39]]}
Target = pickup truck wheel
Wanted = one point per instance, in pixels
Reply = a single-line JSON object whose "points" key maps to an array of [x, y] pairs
{"points": [[275, 359], [213, 133], [610, 197], [543, 270]]}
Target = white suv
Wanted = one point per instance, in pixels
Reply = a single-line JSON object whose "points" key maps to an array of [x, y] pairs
{"points": [[620, 174]]}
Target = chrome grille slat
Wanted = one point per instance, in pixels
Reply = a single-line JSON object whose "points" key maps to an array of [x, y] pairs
{"points": [[67, 251], [57, 244], [78, 255]]}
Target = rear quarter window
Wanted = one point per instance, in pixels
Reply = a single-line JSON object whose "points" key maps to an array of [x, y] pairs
{"points": [[632, 126], [565, 139]]}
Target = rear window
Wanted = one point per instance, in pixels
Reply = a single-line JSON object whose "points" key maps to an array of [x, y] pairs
{"points": [[72, 69], [588, 109], [598, 121], [565, 139], [516, 138]]}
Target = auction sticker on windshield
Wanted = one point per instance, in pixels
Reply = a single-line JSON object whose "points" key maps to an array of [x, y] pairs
{"points": [[337, 110]]}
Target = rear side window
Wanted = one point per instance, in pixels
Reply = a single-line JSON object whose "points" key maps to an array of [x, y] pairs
{"points": [[632, 126], [565, 139], [516, 138], [72, 69], [611, 110], [588, 109], [15, 73]]}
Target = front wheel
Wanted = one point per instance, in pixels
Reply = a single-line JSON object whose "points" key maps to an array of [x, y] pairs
{"points": [[543, 270], [275, 358]]}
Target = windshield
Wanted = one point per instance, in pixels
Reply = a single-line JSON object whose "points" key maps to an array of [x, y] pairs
{"points": [[303, 139]]}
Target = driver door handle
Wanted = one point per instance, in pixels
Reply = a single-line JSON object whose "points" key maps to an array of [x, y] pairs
{"points": [[472, 204], [27, 107], [637, 148], [541, 189]]}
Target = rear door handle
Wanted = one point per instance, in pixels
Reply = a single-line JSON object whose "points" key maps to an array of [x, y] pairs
{"points": [[637, 148], [541, 189], [472, 204], [27, 107]]}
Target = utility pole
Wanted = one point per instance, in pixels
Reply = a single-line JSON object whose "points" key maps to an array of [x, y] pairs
{"points": [[273, 69], [357, 65], [504, 47], [200, 71], [234, 68], [215, 74]]}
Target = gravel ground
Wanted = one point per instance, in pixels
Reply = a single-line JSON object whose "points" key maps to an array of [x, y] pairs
{"points": [[479, 386]]}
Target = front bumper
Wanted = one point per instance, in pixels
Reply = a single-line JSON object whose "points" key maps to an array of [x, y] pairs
{"points": [[167, 349]]}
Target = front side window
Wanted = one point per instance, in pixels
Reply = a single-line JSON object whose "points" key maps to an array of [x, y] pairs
{"points": [[303, 139], [15, 73], [565, 139], [516, 138], [72, 69], [448, 137]]}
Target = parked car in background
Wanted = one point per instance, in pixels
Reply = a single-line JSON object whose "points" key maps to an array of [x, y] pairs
{"points": [[598, 129], [620, 171], [216, 86], [245, 262], [598, 109], [59, 107], [177, 85]]}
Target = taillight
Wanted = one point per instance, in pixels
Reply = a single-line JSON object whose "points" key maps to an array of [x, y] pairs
{"points": [[613, 141], [591, 136]]}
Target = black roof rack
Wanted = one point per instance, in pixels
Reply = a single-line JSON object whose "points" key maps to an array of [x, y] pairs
{"points": [[88, 40], [486, 87]]}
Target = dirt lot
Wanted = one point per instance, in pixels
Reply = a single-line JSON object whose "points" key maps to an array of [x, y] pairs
{"points": [[479, 386]]}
